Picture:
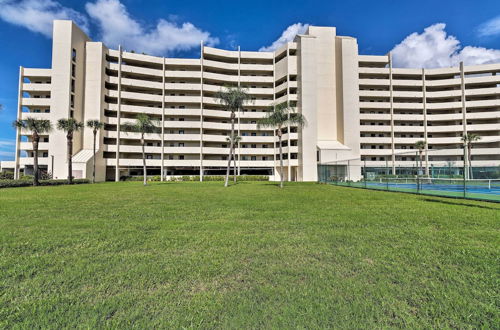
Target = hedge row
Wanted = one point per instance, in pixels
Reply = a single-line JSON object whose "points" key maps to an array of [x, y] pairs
{"points": [[27, 183], [197, 178]]}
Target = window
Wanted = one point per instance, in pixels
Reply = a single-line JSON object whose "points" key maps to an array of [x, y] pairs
{"points": [[149, 156], [254, 146], [181, 144], [149, 144], [171, 157], [73, 85], [72, 100], [73, 55], [73, 69], [264, 158], [254, 134], [181, 157], [181, 131], [181, 119], [254, 158]]}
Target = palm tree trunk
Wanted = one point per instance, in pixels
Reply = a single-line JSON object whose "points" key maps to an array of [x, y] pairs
{"points": [[69, 156], [144, 160], [469, 156], [226, 183], [421, 163], [36, 139], [93, 163], [282, 168], [234, 164]]}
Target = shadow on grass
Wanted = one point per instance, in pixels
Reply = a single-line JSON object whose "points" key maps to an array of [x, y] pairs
{"points": [[459, 204]]}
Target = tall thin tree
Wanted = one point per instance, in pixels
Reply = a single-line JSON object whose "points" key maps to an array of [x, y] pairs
{"points": [[280, 116], [235, 140], [421, 145], [232, 98], [468, 139], [70, 126], [143, 125], [96, 126], [36, 127]]}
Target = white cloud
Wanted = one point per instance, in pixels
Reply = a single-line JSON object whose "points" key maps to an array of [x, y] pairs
{"points": [[489, 28], [37, 15], [7, 149], [287, 36], [434, 48], [117, 27]]}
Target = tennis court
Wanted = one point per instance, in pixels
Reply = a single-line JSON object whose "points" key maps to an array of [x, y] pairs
{"points": [[484, 189]]}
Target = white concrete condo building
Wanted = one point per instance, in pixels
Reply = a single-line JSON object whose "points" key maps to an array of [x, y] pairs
{"points": [[357, 107]]}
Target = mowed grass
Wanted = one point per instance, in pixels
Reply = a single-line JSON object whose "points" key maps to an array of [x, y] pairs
{"points": [[197, 255]]}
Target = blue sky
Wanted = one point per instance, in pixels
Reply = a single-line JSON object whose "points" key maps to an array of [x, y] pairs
{"points": [[471, 31]]}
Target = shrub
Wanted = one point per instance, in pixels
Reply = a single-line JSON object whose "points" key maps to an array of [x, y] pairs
{"points": [[185, 178], [6, 175], [27, 183]]}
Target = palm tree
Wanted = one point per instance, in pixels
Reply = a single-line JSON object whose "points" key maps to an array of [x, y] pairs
{"points": [[468, 139], [421, 145], [280, 116], [235, 141], [70, 126], [36, 127], [232, 98], [142, 125], [96, 126]]}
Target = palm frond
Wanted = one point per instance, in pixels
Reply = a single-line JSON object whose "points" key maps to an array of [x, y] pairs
{"points": [[95, 124], [34, 125], [232, 98], [69, 125], [281, 115]]}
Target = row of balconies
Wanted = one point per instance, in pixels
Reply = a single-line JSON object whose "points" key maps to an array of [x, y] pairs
{"points": [[430, 106], [197, 137], [192, 74], [456, 82], [431, 129], [430, 95], [196, 86], [197, 150], [430, 117], [184, 99], [431, 141], [125, 108]]}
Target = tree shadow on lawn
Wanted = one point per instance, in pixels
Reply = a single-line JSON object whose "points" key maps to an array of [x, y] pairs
{"points": [[459, 204]]}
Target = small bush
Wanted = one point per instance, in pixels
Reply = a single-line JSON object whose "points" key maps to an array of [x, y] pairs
{"points": [[6, 175], [185, 178], [27, 183]]}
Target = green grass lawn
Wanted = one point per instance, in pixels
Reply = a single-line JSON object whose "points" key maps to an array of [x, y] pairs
{"points": [[249, 256]]}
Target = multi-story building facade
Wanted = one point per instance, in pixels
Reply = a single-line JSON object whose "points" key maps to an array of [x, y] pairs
{"points": [[357, 107]]}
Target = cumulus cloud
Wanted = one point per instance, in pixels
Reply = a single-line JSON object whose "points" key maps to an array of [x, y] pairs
{"points": [[434, 48], [117, 27], [287, 36], [37, 15], [489, 28]]}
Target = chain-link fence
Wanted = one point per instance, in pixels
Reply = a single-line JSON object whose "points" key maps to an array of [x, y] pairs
{"points": [[445, 172]]}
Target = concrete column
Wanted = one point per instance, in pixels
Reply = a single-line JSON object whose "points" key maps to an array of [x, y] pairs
{"points": [[118, 115], [424, 102], [239, 113], [288, 103], [163, 124], [393, 146], [464, 116], [19, 115], [201, 110], [274, 130]]}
